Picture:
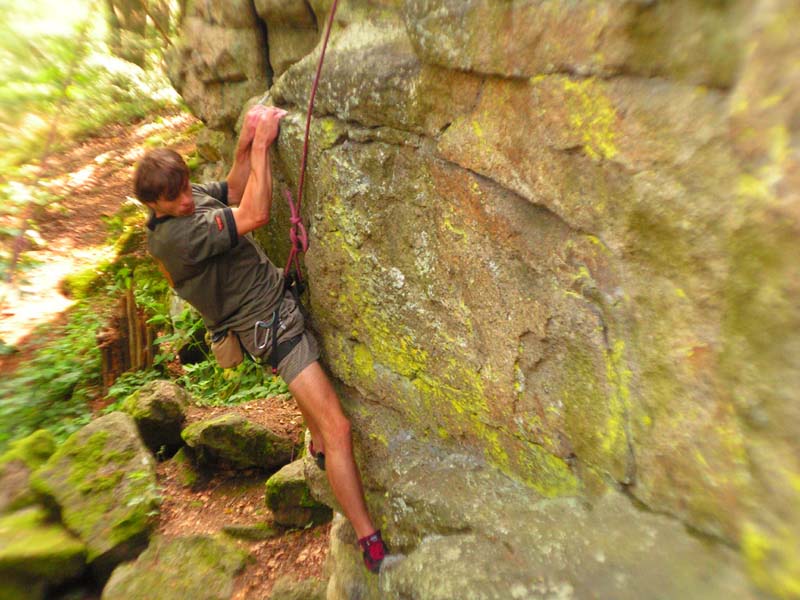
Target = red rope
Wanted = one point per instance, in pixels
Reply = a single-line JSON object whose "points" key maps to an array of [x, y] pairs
{"points": [[297, 232]]}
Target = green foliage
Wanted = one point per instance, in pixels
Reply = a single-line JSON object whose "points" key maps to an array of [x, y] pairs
{"points": [[127, 384], [52, 389], [213, 386]]}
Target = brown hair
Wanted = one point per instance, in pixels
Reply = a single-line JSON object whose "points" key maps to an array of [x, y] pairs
{"points": [[160, 172]]}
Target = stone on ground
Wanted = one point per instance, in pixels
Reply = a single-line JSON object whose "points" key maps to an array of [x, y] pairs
{"points": [[196, 567], [159, 409], [252, 533], [35, 553], [186, 471], [290, 500], [16, 465], [103, 481], [234, 441], [286, 588]]}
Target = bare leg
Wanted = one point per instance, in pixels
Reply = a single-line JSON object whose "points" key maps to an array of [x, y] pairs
{"points": [[321, 407], [316, 436]]}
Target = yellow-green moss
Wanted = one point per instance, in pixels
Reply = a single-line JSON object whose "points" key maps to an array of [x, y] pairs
{"points": [[619, 376], [592, 116], [773, 559], [596, 397], [33, 450]]}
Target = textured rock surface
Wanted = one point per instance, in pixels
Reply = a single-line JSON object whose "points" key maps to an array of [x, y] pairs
{"points": [[307, 589], [159, 409], [233, 440], [288, 497], [103, 481], [198, 567], [16, 465], [560, 239], [36, 552], [222, 62]]}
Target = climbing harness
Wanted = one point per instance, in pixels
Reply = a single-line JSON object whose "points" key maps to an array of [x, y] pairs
{"points": [[278, 351], [298, 236]]}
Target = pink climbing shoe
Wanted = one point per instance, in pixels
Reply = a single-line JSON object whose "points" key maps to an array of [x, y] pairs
{"points": [[374, 551]]}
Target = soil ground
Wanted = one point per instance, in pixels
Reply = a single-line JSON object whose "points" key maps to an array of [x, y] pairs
{"points": [[94, 177]]}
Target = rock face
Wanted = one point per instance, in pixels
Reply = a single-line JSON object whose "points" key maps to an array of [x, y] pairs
{"points": [[102, 479], [197, 567], [159, 409], [234, 441], [559, 239], [223, 61]]}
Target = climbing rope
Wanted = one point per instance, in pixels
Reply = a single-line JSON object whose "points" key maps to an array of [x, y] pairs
{"points": [[297, 233]]}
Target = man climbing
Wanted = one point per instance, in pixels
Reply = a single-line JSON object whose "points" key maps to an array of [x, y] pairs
{"points": [[198, 235]]}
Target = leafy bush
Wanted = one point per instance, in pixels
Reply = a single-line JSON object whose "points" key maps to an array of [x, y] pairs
{"points": [[52, 390], [213, 386]]}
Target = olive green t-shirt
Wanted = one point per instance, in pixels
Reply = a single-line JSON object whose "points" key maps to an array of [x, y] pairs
{"points": [[226, 277]]}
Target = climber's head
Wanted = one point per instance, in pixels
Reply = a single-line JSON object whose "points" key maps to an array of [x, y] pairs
{"points": [[161, 182]]}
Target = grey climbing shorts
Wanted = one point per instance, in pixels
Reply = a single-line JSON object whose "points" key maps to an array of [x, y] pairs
{"points": [[291, 324], [303, 354]]}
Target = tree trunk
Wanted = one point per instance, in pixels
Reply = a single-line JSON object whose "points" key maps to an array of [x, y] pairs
{"points": [[127, 342]]}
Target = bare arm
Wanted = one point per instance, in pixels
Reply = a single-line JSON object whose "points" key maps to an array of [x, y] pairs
{"points": [[240, 171], [256, 200]]}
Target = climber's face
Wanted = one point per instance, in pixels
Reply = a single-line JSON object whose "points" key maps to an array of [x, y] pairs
{"points": [[181, 206]]}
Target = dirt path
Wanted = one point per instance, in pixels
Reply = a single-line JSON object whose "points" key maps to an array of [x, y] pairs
{"points": [[94, 178]]}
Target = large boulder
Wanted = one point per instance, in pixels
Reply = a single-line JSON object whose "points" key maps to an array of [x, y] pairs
{"points": [[221, 60], [232, 440], [292, 31], [36, 553], [290, 500], [196, 567], [159, 409], [102, 479], [450, 513], [16, 465], [561, 237]]}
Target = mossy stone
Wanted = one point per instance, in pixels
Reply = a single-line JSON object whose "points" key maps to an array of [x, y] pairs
{"points": [[16, 588], [286, 588], [196, 567], [187, 472], [102, 479], [290, 500], [32, 547], [232, 440], [258, 532], [33, 450], [17, 463], [159, 409]]}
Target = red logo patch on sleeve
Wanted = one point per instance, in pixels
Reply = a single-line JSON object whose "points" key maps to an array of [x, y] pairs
{"points": [[220, 225]]}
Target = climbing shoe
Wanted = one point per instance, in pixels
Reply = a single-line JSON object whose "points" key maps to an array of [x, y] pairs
{"points": [[319, 457], [374, 551]]}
